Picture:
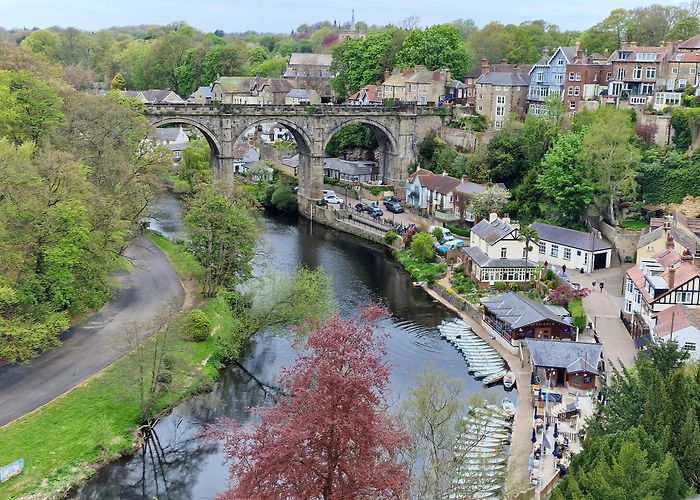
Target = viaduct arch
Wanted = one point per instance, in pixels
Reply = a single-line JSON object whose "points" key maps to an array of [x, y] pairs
{"points": [[398, 130]]}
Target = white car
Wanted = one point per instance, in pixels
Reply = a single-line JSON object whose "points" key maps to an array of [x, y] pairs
{"points": [[332, 199]]}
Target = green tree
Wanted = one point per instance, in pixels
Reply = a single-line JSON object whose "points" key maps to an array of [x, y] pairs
{"points": [[225, 60], [118, 82], [195, 165], [530, 237], [686, 27], [355, 135], [487, 43], [565, 182], [422, 248], [46, 43], [270, 68], [222, 235], [491, 200], [506, 156], [164, 58], [439, 46]]}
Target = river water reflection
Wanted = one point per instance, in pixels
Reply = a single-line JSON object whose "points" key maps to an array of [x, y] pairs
{"points": [[185, 466]]}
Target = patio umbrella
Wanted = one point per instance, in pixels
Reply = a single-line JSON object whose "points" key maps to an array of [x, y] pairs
{"points": [[539, 394], [555, 451], [545, 443], [532, 378], [556, 430], [533, 438]]}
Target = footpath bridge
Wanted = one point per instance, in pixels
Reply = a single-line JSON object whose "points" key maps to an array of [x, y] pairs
{"points": [[398, 130]]}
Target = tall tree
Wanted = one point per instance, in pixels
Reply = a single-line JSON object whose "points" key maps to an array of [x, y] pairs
{"points": [[327, 436], [439, 46], [530, 237]]}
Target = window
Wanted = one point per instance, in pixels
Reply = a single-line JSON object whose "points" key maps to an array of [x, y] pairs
{"points": [[670, 84], [674, 71], [651, 73], [540, 76], [481, 108], [469, 92], [560, 62], [554, 251], [615, 88], [571, 76], [637, 72], [691, 71], [498, 88], [630, 285], [577, 91], [558, 79], [500, 99], [567, 253], [572, 104], [543, 247], [647, 88], [638, 101], [684, 297], [578, 76], [500, 111], [646, 56], [570, 91], [176, 154], [620, 73], [504, 252], [690, 346], [682, 83], [628, 306], [608, 76], [498, 124], [637, 297]]}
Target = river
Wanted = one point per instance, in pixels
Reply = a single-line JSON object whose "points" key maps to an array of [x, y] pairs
{"points": [[183, 465]]}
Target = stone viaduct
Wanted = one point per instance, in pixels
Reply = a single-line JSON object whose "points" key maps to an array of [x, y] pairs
{"points": [[398, 130]]}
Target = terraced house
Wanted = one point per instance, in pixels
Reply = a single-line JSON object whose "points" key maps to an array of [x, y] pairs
{"points": [[547, 77], [636, 73]]}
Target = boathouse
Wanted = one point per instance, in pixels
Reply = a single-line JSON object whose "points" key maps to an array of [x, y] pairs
{"points": [[563, 363]]}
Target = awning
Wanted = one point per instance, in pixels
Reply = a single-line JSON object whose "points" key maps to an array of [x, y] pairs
{"points": [[445, 217]]}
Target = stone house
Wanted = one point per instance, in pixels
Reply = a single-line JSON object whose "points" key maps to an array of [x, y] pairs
{"points": [[561, 246], [301, 96], [677, 232], [271, 90], [681, 72], [502, 67], [234, 90], [154, 96], [311, 72], [499, 95], [394, 85], [203, 95], [426, 87], [636, 73], [173, 138]]}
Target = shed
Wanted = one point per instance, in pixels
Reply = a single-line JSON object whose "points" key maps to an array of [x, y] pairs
{"points": [[574, 364]]}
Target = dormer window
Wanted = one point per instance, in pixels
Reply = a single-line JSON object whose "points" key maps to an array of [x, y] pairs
{"points": [[624, 55]]}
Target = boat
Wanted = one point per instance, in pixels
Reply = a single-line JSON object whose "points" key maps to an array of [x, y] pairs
{"points": [[508, 405], [419, 284], [509, 380], [494, 377], [485, 372]]}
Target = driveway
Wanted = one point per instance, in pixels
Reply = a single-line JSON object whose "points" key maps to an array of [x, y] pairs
{"points": [[147, 296]]}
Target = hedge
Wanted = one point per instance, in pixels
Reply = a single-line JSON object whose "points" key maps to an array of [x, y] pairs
{"points": [[578, 313], [459, 231]]}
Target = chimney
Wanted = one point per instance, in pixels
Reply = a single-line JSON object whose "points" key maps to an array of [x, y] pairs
{"points": [[504, 61], [687, 255], [634, 44], [623, 44], [436, 76], [484, 66], [465, 178], [579, 52], [669, 242], [671, 277], [506, 218], [386, 74], [545, 52], [493, 216]]}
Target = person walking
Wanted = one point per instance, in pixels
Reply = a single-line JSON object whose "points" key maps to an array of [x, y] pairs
{"points": [[593, 287], [601, 287]]}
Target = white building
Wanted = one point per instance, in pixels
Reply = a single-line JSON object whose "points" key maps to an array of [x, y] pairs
{"points": [[680, 324], [574, 249], [244, 155], [172, 138]]}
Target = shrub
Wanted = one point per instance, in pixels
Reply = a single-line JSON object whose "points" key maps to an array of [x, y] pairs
{"points": [[164, 377], [284, 198], [422, 248], [168, 361], [197, 326], [437, 233], [459, 231], [390, 237], [374, 189], [182, 187], [578, 313], [501, 286], [331, 181], [420, 271]]}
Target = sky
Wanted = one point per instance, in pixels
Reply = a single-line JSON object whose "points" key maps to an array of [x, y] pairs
{"points": [[282, 16]]}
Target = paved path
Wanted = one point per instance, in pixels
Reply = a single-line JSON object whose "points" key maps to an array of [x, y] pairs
{"points": [[603, 309], [148, 294]]}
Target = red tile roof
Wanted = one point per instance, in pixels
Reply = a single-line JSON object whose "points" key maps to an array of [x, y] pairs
{"points": [[442, 184], [676, 318], [690, 43]]}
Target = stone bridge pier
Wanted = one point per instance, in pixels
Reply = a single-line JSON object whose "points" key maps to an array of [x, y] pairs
{"points": [[398, 130]]}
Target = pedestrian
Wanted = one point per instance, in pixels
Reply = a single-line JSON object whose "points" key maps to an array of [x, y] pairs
{"points": [[601, 287], [563, 268], [593, 288]]}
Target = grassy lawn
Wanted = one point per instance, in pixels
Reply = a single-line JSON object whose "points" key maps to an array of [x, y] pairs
{"points": [[633, 224], [420, 271], [93, 422], [183, 261]]}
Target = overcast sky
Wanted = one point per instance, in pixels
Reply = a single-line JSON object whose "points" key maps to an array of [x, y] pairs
{"points": [[284, 15]]}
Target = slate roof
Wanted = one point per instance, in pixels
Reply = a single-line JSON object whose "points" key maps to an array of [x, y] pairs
{"points": [[156, 95], [692, 223], [442, 184], [309, 59], [235, 84], [302, 94], [574, 356], [492, 232], [569, 237], [468, 187], [167, 134], [678, 235], [344, 166], [395, 80], [204, 90], [518, 311], [485, 262], [424, 75], [507, 79], [660, 51], [455, 84]]}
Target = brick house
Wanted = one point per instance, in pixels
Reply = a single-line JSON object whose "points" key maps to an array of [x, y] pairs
{"points": [[636, 73], [682, 71], [585, 79]]}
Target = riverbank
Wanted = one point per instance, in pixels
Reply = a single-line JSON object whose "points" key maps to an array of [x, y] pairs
{"points": [[66, 440]]}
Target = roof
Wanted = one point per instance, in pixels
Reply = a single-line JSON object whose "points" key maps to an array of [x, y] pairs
{"points": [[369, 91], [395, 80], [688, 57], [204, 90], [636, 50], [276, 85], [691, 43], [671, 262], [484, 261], [518, 311], [468, 187], [168, 134], [235, 84], [508, 79], [683, 238], [302, 94], [455, 84], [573, 356], [569, 237], [344, 166], [309, 59], [492, 232], [546, 59], [241, 150], [156, 95], [676, 318], [424, 75], [692, 223], [442, 184]]}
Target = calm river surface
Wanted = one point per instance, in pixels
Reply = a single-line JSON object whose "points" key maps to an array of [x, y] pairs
{"points": [[185, 466]]}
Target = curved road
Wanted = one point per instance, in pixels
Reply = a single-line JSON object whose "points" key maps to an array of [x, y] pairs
{"points": [[148, 294]]}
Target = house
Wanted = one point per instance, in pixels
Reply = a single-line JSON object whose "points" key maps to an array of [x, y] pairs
{"points": [[585, 80], [495, 253], [426, 87], [462, 197], [498, 94], [636, 73], [681, 72], [561, 246], [547, 77], [233, 90], [203, 95], [172, 138], [154, 96], [656, 284], [243, 155], [513, 317], [681, 232], [350, 171], [485, 68], [394, 85], [681, 324], [311, 72], [271, 90], [427, 190], [569, 364], [369, 95], [300, 96]]}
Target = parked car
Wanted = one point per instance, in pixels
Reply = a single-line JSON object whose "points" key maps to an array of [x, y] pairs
{"points": [[374, 211], [332, 199], [362, 207], [448, 245], [393, 206]]}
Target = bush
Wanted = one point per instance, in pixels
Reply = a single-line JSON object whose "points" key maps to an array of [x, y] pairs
{"points": [[437, 233], [501, 286], [182, 187], [390, 237], [284, 198], [578, 313], [422, 248], [331, 181], [420, 271], [165, 377], [197, 326], [459, 231], [374, 189]]}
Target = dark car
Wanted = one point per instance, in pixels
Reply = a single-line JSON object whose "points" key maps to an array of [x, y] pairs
{"points": [[393, 206], [362, 207], [374, 211]]}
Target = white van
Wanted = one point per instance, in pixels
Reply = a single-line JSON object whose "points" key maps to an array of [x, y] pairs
{"points": [[328, 192], [446, 234]]}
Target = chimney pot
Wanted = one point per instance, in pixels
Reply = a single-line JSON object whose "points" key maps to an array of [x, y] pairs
{"points": [[671, 277], [504, 61], [634, 44], [493, 216]]}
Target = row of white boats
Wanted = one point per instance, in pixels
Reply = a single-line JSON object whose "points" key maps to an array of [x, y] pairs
{"points": [[479, 452], [483, 360]]}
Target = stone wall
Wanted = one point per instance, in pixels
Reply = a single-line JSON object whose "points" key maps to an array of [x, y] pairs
{"points": [[664, 132], [457, 301], [267, 152], [465, 139], [624, 241]]}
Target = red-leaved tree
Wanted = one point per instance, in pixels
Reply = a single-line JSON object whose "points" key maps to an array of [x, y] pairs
{"points": [[328, 436]]}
